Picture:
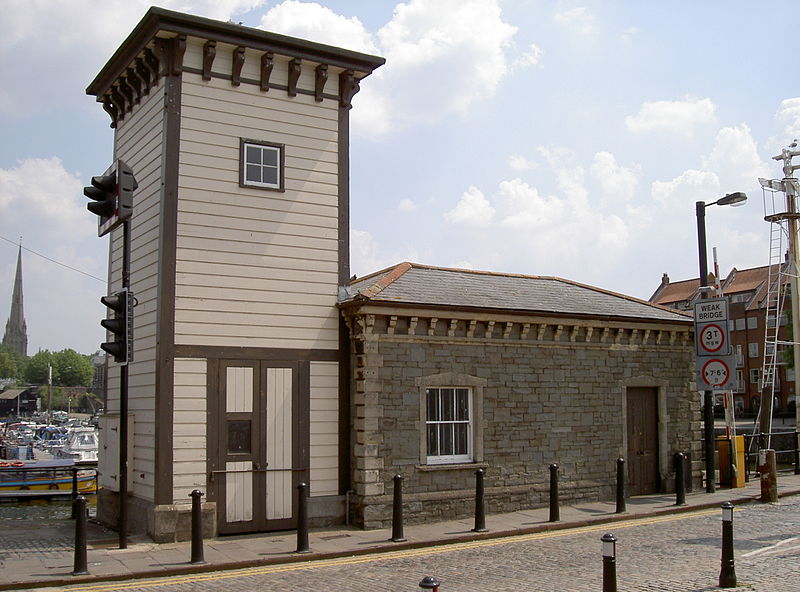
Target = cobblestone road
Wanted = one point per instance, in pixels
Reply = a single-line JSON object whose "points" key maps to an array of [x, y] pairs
{"points": [[668, 553]]}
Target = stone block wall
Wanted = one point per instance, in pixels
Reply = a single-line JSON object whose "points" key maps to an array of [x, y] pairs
{"points": [[543, 401]]}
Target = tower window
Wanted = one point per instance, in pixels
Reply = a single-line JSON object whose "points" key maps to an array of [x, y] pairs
{"points": [[261, 165]]}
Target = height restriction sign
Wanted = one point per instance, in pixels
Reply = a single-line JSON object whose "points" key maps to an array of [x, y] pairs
{"points": [[715, 374]]}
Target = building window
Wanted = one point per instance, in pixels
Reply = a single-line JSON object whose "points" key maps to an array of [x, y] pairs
{"points": [[451, 416], [755, 375], [752, 350], [740, 324], [739, 386], [737, 350], [752, 322], [261, 165], [448, 425]]}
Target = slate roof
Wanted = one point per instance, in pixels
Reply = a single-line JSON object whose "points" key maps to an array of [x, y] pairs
{"points": [[422, 285]]}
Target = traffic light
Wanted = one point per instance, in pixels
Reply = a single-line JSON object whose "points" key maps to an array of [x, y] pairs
{"points": [[120, 325], [112, 196]]}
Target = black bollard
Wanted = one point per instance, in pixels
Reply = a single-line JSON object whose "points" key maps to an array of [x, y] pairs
{"points": [[480, 507], [429, 583], [680, 484], [609, 562], [302, 519], [397, 511], [74, 492], [620, 485], [80, 566], [197, 528], [554, 511], [727, 572]]}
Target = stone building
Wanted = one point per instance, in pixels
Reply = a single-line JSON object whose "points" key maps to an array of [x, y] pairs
{"points": [[456, 370]]}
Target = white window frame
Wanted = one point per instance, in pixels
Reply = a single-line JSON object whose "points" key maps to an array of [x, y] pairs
{"points": [[752, 322], [262, 147], [755, 375], [448, 426], [476, 387], [740, 324], [752, 350]]}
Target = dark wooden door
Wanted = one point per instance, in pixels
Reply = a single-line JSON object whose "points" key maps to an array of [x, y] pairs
{"points": [[642, 441]]}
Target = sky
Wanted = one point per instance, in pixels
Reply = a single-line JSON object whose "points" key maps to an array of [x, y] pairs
{"points": [[558, 138]]}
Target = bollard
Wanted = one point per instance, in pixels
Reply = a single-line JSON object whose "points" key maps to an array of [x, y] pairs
{"points": [[620, 485], [429, 583], [554, 512], [80, 567], [769, 476], [680, 485], [74, 492], [302, 519], [397, 511], [197, 528], [727, 572], [609, 562], [480, 507]]}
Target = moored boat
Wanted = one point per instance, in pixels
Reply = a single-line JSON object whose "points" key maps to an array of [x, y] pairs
{"points": [[44, 478]]}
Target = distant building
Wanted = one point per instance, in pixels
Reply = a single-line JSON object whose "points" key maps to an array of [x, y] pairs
{"points": [[16, 335], [747, 310], [19, 401]]}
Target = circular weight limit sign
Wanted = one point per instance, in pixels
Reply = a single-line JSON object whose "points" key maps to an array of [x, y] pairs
{"points": [[715, 372], [712, 338]]}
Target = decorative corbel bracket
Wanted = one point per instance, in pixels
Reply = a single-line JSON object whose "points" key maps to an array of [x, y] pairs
{"points": [[236, 67], [294, 76], [348, 87], [209, 53], [320, 78], [266, 70]]}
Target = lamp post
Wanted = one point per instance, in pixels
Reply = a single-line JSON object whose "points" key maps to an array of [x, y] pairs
{"points": [[731, 199]]}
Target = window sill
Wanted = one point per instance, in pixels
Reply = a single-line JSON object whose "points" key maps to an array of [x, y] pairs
{"points": [[453, 467]]}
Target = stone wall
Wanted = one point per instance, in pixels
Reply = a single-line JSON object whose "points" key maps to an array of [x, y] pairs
{"points": [[559, 399]]}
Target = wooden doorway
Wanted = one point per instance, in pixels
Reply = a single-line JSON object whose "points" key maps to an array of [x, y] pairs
{"points": [[642, 414], [257, 462]]}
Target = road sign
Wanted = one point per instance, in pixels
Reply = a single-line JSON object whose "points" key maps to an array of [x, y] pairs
{"points": [[711, 310], [712, 339], [715, 373]]}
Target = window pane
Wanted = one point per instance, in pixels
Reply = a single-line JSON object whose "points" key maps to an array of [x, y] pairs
{"points": [[239, 436], [270, 157], [461, 434], [448, 404], [446, 439], [252, 173], [462, 405], [270, 175], [433, 440], [252, 154], [433, 404]]}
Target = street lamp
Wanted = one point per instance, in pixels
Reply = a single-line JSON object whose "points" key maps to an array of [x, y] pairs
{"points": [[731, 199]]}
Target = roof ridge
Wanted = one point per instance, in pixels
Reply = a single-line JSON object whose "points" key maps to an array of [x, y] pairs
{"points": [[385, 281]]}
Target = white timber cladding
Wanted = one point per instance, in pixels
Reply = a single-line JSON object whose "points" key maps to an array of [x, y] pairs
{"points": [[255, 267], [189, 446], [139, 142], [239, 491], [279, 443], [324, 428], [239, 386]]}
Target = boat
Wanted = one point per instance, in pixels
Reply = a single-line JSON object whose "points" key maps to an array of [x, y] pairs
{"points": [[44, 478], [81, 446]]}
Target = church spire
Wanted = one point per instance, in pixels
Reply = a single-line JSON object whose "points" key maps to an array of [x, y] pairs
{"points": [[16, 336]]}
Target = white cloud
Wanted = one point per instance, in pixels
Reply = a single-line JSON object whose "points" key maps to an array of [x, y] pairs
{"points": [[630, 35], [688, 187], [520, 163], [735, 159], [312, 21], [407, 206], [789, 116], [473, 209], [614, 180], [676, 117], [579, 20], [532, 57]]}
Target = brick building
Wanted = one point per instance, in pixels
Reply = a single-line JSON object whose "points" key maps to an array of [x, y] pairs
{"points": [[746, 290]]}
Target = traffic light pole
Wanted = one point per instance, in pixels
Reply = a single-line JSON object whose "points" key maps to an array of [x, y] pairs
{"points": [[123, 405]]}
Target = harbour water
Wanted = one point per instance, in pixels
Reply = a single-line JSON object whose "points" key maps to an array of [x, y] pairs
{"points": [[42, 510]]}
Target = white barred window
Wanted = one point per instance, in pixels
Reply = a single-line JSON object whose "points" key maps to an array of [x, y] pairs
{"points": [[448, 425]]}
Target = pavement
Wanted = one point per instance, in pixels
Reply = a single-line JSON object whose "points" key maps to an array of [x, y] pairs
{"points": [[41, 553]]}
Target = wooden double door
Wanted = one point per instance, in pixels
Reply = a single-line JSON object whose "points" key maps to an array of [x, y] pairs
{"points": [[258, 458], [642, 459]]}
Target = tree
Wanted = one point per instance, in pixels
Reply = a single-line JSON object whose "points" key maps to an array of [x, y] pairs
{"points": [[37, 367], [8, 365], [72, 369]]}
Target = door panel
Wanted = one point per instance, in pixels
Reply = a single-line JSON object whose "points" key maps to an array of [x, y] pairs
{"points": [[642, 418], [254, 470]]}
